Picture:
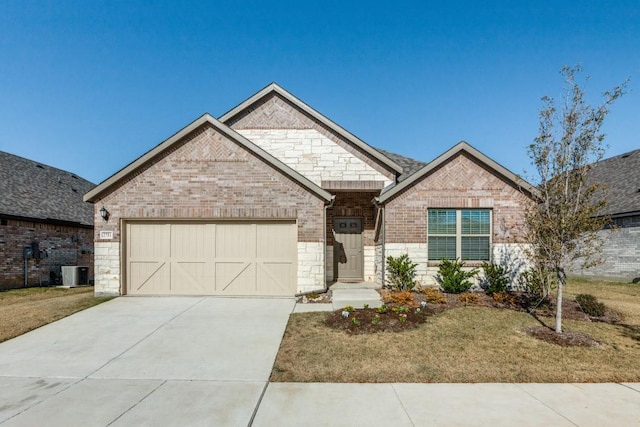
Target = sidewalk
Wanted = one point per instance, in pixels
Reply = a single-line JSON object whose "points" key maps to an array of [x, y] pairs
{"points": [[320, 404]]}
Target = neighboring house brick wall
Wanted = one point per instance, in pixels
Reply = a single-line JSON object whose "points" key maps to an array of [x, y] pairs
{"points": [[459, 183], [206, 176], [620, 253], [61, 245]]}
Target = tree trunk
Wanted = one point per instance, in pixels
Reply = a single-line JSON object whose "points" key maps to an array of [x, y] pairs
{"points": [[562, 278]]}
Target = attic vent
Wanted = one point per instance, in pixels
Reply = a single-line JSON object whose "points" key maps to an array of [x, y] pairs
{"points": [[624, 156], [40, 166], [74, 190], [74, 177]]}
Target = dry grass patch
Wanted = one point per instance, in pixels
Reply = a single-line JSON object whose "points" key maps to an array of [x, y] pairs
{"points": [[468, 344], [23, 310]]}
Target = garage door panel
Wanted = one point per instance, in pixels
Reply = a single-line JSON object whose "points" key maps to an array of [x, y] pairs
{"points": [[276, 241], [275, 277], [235, 278], [235, 241], [190, 278], [225, 258], [150, 277]]}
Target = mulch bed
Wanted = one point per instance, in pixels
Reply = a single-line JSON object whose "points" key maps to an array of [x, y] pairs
{"points": [[373, 320], [566, 339]]}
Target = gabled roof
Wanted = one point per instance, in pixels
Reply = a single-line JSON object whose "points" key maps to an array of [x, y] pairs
{"points": [[275, 88], [462, 146], [409, 165], [94, 194], [32, 190], [621, 177]]}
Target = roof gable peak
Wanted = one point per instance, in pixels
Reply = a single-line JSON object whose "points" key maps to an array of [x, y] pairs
{"points": [[274, 88]]}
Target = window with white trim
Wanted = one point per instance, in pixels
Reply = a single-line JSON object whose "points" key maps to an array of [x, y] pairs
{"points": [[459, 233]]}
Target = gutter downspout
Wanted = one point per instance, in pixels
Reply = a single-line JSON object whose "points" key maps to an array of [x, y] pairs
{"points": [[324, 288]]}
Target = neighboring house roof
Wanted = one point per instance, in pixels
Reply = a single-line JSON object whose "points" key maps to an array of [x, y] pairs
{"points": [[462, 146], [32, 190], [409, 165], [621, 177], [94, 194], [275, 88]]}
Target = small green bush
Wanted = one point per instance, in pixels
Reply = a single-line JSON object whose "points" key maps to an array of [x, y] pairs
{"points": [[537, 282], [496, 277], [452, 278], [401, 273], [590, 305]]}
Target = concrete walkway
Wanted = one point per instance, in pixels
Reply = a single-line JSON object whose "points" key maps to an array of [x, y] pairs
{"points": [[206, 361]]}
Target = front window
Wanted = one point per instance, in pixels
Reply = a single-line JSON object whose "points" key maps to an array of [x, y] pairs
{"points": [[459, 233]]}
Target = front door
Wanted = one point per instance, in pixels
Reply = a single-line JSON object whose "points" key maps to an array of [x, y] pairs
{"points": [[347, 247]]}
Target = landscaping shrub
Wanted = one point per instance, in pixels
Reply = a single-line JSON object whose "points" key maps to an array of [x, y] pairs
{"points": [[401, 273], [434, 296], [504, 298], [590, 305], [452, 278], [468, 297], [496, 277], [402, 297], [537, 282]]}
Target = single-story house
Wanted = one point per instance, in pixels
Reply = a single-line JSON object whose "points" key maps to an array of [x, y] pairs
{"points": [[274, 198], [44, 223], [621, 242]]}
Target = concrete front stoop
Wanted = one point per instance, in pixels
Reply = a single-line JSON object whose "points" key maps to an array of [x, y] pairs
{"points": [[355, 295]]}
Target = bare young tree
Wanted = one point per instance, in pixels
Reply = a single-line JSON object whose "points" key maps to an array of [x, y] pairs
{"points": [[563, 226]]}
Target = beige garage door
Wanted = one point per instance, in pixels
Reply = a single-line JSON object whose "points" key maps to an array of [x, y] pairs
{"points": [[211, 259]]}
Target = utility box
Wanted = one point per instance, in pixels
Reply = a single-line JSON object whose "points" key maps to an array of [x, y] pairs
{"points": [[73, 275]]}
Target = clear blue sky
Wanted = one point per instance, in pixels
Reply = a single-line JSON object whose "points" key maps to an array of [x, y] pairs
{"points": [[88, 86]]}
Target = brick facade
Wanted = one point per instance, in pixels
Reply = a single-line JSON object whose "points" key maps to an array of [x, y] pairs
{"points": [[458, 183], [61, 245], [206, 176]]}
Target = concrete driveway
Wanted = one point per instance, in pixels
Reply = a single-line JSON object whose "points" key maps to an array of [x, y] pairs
{"points": [[145, 361]]}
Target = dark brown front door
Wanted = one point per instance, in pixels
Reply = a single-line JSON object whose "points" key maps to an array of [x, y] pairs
{"points": [[347, 248]]}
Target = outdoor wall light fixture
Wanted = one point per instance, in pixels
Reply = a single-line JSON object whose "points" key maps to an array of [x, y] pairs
{"points": [[104, 214]]}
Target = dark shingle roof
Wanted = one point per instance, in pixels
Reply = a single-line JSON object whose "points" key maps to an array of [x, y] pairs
{"points": [[621, 176], [409, 165], [32, 190]]}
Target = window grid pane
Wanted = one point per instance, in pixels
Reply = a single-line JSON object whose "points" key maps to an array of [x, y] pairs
{"points": [[475, 222], [442, 221], [475, 248], [442, 247]]}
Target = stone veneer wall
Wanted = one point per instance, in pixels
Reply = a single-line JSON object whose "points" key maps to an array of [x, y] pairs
{"points": [[107, 267], [274, 113], [313, 155], [310, 268]]}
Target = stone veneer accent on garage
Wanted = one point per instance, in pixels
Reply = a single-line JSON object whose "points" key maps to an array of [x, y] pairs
{"points": [[107, 268], [310, 269]]}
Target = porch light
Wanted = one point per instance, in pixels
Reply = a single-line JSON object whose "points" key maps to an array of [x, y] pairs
{"points": [[104, 214]]}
